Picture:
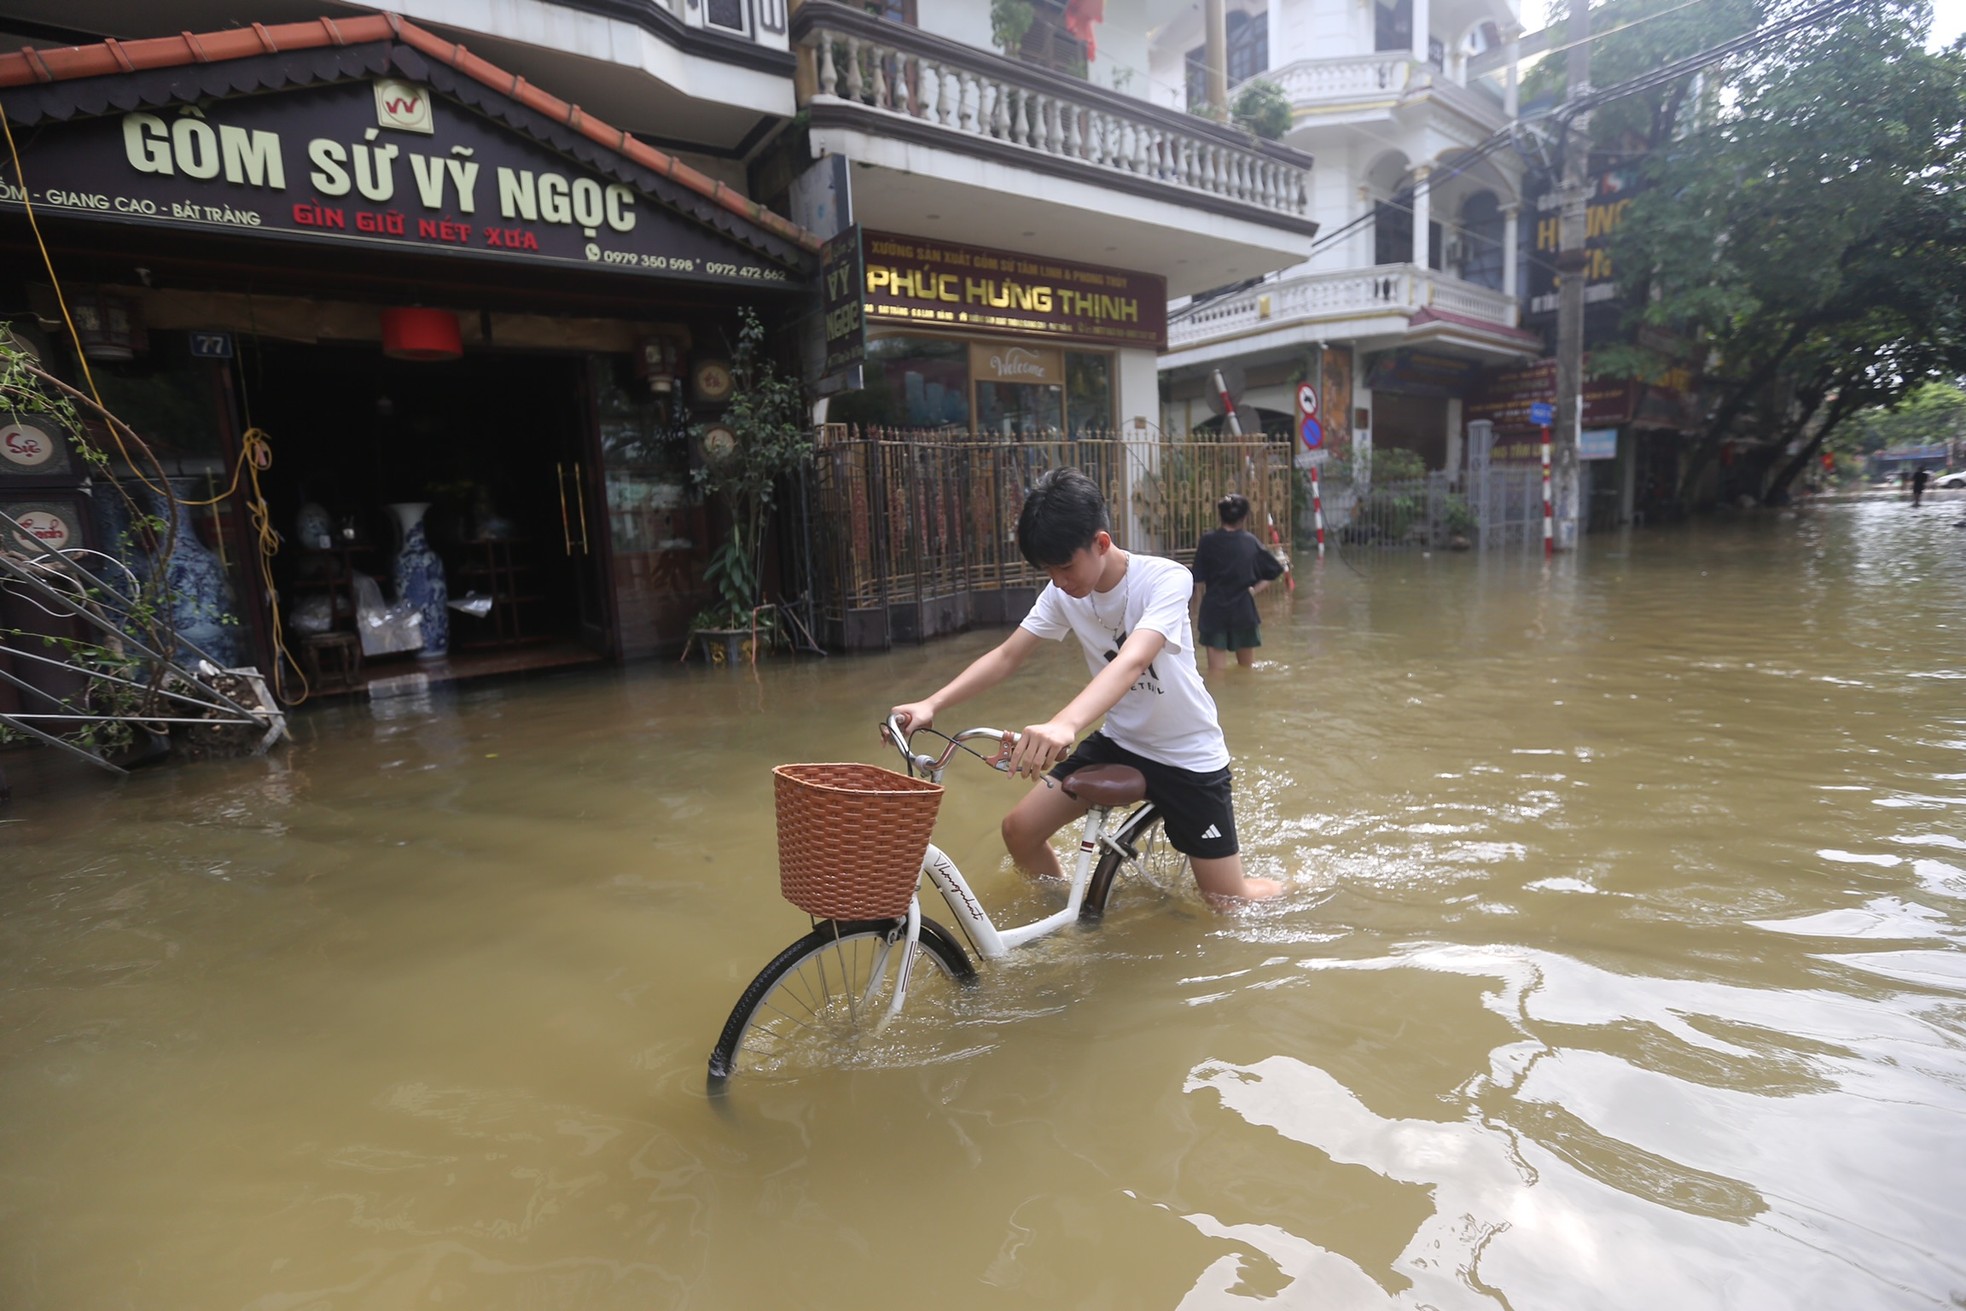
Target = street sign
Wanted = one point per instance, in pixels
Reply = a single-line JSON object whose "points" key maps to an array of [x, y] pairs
{"points": [[1542, 414], [211, 345], [1308, 428]]}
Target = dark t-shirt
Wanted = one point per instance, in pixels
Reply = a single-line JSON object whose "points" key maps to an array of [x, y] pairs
{"points": [[1228, 563]]}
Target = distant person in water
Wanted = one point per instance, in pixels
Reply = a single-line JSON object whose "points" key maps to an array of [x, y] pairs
{"points": [[1918, 481], [1231, 566]]}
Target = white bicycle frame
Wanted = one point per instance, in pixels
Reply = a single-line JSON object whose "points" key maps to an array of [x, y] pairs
{"points": [[991, 942]]}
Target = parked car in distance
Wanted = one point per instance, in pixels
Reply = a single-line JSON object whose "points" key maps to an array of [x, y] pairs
{"points": [[1955, 479]]}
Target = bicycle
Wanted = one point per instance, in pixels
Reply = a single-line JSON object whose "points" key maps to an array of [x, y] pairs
{"points": [[830, 988]]}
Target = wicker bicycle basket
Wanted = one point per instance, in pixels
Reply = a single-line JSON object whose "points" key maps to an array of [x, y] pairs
{"points": [[851, 838]]}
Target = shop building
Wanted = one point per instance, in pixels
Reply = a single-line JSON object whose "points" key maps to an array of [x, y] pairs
{"points": [[1058, 199], [427, 282]]}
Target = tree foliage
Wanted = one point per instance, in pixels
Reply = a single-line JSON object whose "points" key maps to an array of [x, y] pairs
{"points": [[1811, 233], [1930, 415], [767, 415]]}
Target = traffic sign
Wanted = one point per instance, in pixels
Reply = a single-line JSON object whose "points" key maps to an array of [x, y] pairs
{"points": [[1542, 414]]}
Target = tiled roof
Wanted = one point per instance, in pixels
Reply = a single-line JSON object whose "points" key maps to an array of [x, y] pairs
{"points": [[31, 67], [1516, 335]]}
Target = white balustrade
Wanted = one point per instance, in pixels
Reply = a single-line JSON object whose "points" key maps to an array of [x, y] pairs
{"points": [[1309, 81], [986, 99], [1396, 289]]}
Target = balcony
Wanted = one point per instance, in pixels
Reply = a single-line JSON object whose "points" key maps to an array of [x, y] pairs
{"points": [[1388, 300], [1358, 88], [978, 148]]}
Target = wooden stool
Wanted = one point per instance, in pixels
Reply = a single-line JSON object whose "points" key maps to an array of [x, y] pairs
{"points": [[333, 661]]}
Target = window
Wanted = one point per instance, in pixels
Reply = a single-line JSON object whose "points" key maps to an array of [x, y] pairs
{"points": [[1392, 233], [1481, 241], [910, 382], [1393, 26], [1088, 394], [727, 14], [1048, 45], [1248, 55]]}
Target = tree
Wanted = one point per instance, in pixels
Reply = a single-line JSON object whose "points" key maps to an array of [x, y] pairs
{"points": [[1811, 233], [1934, 414], [770, 440]]}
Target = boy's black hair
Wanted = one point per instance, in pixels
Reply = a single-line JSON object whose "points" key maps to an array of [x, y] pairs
{"points": [[1233, 508], [1060, 518]]}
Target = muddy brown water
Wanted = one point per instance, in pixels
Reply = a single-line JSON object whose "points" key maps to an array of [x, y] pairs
{"points": [[1621, 968]]}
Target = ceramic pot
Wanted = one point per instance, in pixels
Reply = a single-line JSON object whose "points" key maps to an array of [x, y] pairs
{"points": [[314, 526], [419, 579], [199, 592]]}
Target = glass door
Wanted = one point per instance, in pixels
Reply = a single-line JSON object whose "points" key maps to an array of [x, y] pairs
{"points": [[653, 516]]}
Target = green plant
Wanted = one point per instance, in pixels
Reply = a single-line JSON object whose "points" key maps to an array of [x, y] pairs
{"points": [[1010, 20], [1391, 464], [1457, 519], [1263, 109], [767, 417]]}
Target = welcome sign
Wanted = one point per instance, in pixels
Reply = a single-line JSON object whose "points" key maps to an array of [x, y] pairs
{"points": [[379, 166]]}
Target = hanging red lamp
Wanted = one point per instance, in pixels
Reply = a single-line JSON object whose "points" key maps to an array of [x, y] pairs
{"points": [[421, 334]]}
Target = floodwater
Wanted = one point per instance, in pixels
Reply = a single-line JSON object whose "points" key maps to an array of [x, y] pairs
{"points": [[1621, 968]]}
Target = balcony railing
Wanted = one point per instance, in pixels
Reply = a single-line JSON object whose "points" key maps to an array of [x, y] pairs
{"points": [[930, 89], [1385, 289], [1314, 85]]}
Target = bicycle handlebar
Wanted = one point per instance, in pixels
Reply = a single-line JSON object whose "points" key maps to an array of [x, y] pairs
{"points": [[903, 742]]}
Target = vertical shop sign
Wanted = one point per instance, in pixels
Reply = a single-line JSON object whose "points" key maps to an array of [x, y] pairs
{"points": [[842, 271]]}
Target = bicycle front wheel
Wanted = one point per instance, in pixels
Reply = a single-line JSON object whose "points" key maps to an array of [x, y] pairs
{"points": [[821, 997]]}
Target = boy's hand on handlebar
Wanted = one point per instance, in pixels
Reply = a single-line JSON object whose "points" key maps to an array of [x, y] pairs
{"points": [[1041, 747], [914, 715]]}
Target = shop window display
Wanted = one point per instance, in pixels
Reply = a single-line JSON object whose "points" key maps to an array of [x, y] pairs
{"points": [[911, 382]]}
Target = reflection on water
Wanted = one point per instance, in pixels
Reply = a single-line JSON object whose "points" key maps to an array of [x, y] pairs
{"points": [[1621, 968]]}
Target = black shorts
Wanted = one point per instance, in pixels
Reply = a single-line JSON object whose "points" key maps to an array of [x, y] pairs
{"points": [[1196, 808]]}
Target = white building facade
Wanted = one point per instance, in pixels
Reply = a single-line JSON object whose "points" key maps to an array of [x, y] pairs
{"points": [[1412, 286]]}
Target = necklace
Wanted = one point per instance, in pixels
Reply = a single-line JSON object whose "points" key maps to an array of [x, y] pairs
{"points": [[1109, 608]]}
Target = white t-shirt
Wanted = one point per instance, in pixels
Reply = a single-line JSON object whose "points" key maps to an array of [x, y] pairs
{"points": [[1168, 714]]}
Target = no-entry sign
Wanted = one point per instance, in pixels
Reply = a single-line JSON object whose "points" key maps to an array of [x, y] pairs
{"points": [[1308, 427]]}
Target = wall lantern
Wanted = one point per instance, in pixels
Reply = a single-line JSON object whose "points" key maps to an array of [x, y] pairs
{"points": [[106, 324], [421, 334], [657, 363]]}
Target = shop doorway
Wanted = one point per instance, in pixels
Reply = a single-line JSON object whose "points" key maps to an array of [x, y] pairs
{"points": [[495, 444]]}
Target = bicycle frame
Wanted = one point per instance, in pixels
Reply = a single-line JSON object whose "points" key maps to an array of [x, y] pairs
{"points": [[990, 941]]}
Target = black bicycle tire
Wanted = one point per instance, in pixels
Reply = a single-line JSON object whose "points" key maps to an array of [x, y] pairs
{"points": [[1100, 886], [825, 934]]}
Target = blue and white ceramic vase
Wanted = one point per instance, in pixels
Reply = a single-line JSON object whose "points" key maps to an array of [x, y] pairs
{"points": [[198, 591], [419, 578]]}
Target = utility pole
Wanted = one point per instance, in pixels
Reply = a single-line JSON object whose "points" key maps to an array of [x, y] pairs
{"points": [[1572, 263]]}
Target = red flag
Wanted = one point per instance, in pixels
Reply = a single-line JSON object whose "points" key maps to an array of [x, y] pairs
{"points": [[1081, 16]]}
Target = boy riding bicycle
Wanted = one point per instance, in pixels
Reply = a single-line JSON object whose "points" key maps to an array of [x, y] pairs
{"points": [[1130, 614]]}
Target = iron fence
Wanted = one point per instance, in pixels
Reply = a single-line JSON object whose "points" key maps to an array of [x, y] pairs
{"points": [[1499, 507], [913, 533]]}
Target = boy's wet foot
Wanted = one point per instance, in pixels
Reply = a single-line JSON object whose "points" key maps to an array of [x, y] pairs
{"points": [[1251, 890]]}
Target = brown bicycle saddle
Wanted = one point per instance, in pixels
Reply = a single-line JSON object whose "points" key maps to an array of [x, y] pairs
{"points": [[1106, 785]]}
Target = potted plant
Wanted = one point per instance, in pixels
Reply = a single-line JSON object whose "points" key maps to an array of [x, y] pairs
{"points": [[761, 437], [1010, 20], [1262, 109]]}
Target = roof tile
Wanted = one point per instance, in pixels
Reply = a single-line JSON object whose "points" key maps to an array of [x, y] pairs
{"points": [[33, 66]]}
